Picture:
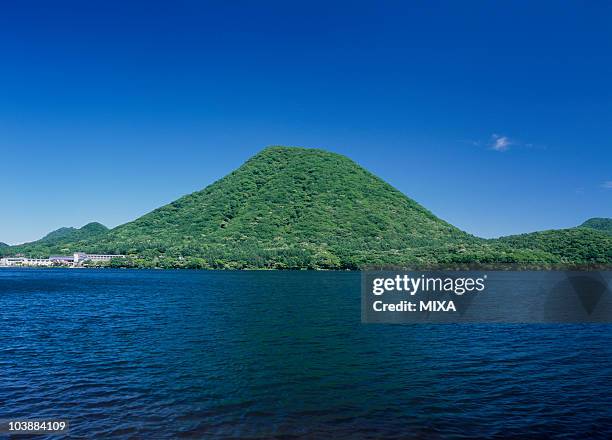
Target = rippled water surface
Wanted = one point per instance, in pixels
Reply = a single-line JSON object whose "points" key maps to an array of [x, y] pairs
{"points": [[204, 354]]}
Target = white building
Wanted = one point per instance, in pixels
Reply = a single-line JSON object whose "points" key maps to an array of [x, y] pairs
{"points": [[22, 261], [11, 261], [37, 262], [54, 260], [80, 257], [61, 259]]}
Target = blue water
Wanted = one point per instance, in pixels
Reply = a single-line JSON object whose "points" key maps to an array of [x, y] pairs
{"points": [[204, 354]]}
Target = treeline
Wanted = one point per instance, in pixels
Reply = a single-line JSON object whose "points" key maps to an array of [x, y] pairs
{"points": [[295, 208]]}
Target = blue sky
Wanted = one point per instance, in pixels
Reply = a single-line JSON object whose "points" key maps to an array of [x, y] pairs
{"points": [[496, 117]]}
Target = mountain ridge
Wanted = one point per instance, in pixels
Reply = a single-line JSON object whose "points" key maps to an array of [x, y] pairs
{"points": [[281, 204], [599, 223], [292, 207], [56, 240]]}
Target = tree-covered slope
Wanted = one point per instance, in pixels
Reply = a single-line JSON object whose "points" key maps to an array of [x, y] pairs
{"points": [[58, 235], [60, 240], [600, 224], [572, 246], [3, 245], [307, 208], [290, 206]]}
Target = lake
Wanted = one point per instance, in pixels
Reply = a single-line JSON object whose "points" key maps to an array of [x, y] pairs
{"points": [[213, 354]]}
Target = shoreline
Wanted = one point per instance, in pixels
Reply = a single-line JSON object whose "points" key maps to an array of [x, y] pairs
{"points": [[506, 268]]}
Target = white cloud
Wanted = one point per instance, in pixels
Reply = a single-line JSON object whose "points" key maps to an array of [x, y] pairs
{"points": [[607, 184], [500, 143]]}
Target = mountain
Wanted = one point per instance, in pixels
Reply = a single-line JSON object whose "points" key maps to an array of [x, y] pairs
{"points": [[569, 246], [600, 224], [296, 207], [307, 208], [58, 235], [290, 207], [3, 245], [70, 235], [60, 240]]}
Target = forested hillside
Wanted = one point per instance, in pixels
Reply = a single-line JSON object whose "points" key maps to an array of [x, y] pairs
{"points": [[308, 208], [599, 224], [60, 240]]}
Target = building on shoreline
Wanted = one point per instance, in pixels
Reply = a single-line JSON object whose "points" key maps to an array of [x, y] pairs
{"points": [[23, 261], [75, 260], [80, 257], [61, 259]]}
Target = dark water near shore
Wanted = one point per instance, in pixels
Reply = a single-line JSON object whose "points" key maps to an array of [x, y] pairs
{"points": [[198, 354]]}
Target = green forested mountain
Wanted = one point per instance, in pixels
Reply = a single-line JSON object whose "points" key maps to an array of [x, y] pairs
{"points": [[291, 207], [307, 208], [57, 235], [600, 224], [571, 246], [60, 240], [73, 234], [3, 245]]}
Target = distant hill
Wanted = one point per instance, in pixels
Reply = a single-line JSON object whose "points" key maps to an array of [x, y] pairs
{"points": [[3, 245], [58, 235], [60, 240], [571, 246], [70, 235], [308, 208], [600, 224]]}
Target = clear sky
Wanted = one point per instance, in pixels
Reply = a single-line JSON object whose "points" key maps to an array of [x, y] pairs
{"points": [[496, 116]]}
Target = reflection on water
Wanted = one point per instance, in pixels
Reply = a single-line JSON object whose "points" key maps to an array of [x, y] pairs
{"points": [[263, 354]]}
